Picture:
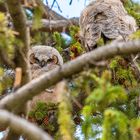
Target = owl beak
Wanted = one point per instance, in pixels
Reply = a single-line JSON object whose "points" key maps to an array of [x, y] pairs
{"points": [[43, 63]]}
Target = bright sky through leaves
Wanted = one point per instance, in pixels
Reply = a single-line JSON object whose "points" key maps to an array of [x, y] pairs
{"points": [[72, 10]]}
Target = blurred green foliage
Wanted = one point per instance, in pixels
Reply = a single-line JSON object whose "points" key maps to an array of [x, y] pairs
{"points": [[108, 96], [122, 72], [60, 42], [40, 114], [133, 9], [7, 42], [65, 120]]}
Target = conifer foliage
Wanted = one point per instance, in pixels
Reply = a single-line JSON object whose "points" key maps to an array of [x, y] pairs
{"points": [[101, 103]]}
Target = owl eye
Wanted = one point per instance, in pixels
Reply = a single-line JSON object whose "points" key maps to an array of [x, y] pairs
{"points": [[33, 59], [55, 59]]}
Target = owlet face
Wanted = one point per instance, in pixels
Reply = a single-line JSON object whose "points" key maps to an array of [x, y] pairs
{"points": [[44, 58]]}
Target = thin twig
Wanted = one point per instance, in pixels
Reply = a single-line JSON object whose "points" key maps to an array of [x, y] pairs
{"points": [[58, 7], [53, 3], [70, 2], [18, 79]]}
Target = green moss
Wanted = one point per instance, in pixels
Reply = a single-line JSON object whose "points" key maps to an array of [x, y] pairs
{"points": [[41, 110], [113, 64], [135, 15], [6, 81], [135, 128], [40, 38], [38, 12], [7, 38], [75, 50], [39, 115], [122, 72], [65, 120], [48, 127], [74, 31], [135, 35], [117, 120], [60, 42], [31, 114], [100, 42], [133, 9]]}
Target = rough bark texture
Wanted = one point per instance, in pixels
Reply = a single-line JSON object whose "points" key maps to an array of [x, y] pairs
{"points": [[21, 126], [56, 25], [16, 100], [21, 51], [19, 21]]}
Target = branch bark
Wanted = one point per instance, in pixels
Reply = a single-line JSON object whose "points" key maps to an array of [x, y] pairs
{"points": [[15, 101], [21, 51], [23, 127], [56, 25], [19, 21]]}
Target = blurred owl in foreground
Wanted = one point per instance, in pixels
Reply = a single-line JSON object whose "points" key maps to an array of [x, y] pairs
{"points": [[43, 59], [107, 19]]}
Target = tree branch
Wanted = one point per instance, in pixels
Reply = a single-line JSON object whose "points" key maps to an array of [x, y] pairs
{"points": [[19, 21], [16, 100], [21, 126], [21, 52], [56, 25]]}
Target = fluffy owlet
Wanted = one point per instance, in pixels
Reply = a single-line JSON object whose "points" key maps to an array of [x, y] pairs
{"points": [[42, 109], [42, 59], [107, 19]]}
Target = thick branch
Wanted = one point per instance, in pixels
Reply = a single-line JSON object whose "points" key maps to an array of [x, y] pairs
{"points": [[16, 100], [23, 127], [19, 21], [56, 25], [21, 50]]}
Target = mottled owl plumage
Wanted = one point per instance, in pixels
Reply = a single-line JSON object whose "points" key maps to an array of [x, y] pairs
{"points": [[43, 59], [107, 18]]}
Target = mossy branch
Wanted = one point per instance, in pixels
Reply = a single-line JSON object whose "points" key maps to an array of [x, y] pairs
{"points": [[19, 21], [16, 100]]}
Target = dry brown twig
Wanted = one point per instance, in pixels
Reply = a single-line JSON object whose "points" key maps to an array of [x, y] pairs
{"points": [[18, 78]]}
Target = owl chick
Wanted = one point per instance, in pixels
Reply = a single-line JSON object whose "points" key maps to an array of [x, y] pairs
{"points": [[43, 59], [107, 19]]}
